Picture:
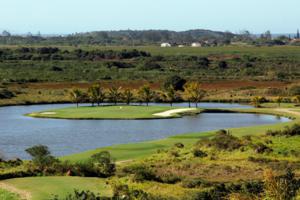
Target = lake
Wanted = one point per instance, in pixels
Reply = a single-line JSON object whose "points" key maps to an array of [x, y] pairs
{"points": [[18, 132]]}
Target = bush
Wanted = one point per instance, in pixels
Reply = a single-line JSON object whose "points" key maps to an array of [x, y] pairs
{"points": [[287, 131], [41, 156], [223, 141], [174, 81], [261, 148], [140, 172], [6, 94], [169, 178], [179, 145], [198, 153], [281, 187]]}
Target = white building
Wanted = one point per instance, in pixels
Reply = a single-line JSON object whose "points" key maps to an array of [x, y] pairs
{"points": [[196, 44], [165, 45], [181, 45]]}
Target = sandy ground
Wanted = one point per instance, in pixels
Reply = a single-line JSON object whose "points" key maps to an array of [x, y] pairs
{"points": [[48, 113], [23, 194], [286, 110], [170, 113]]}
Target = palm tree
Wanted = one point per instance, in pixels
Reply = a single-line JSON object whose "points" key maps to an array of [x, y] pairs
{"points": [[77, 96], [96, 94], [171, 95], [128, 96], [194, 92], [114, 94], [145, 94]]}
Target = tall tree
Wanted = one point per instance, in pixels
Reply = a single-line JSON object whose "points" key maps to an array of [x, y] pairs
{"points": [[77, 96], [145, 94], [114, 94], [96, 94], [128, 96]]}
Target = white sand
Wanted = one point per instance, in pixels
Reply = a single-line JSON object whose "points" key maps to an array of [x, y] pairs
{"points": [[170, 113], [48, 113]]}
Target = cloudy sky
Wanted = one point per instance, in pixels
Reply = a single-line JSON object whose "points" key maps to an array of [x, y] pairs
{"points": [[69, 16]]}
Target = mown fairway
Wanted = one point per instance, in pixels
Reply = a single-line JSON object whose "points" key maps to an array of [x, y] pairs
{"points": [[46, 187], [104, 112]]}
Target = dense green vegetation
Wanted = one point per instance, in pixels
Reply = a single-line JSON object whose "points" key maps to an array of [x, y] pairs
{"points": [[150, 63]]}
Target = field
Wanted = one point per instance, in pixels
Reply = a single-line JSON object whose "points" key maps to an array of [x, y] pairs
{"points": [[47, 187], [106, 112]]}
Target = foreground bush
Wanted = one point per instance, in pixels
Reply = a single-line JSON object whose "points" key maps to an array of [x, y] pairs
{"points": [[287, 131], [282, 187]]}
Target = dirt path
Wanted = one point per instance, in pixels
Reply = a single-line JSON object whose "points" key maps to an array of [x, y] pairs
{"points": [[24, 195], [170, 113]]}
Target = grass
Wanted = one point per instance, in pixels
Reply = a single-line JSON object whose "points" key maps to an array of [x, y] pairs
{"points": [[6, 195], [46, 187], [144, 149], [105, 112]]}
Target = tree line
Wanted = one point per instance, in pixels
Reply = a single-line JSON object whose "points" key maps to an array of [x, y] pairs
{"points": [[97, 95]]}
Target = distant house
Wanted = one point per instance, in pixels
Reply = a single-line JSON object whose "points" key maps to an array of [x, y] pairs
{"points": [[196, 44], [165, 45]]}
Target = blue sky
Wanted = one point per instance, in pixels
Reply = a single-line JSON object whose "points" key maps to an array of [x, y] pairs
{"points": [[68, 16]]}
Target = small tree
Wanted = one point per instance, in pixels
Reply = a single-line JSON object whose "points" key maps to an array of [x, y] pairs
{"points": [[279, 100], [104, 163], [145, 94], [114, 94], [96, 94], [41, 156], [193, 92], [128, 96], [77, 96], [256, 101], [171, 95]]}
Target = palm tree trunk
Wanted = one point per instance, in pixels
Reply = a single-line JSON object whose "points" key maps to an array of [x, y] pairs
{"points": [[189, 104], [196, 104]]}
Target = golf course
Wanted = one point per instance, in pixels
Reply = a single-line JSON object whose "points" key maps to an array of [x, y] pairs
{"points": [[156, 151]]}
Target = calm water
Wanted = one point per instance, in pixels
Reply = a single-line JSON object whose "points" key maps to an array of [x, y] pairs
{"points": [[18, 132]]}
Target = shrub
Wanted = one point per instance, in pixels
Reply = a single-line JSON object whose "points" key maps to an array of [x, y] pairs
{"points": [[140, 172], [287, 131], [198, 153], [223, 141], [6, 94], [179, 145], [261, 148], [169, 178], [281, 187]]}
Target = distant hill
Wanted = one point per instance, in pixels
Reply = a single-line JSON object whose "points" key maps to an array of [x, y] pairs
{"points": [[122, 37]]}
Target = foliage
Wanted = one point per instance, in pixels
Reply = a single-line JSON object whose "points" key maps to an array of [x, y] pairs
{"points": [[82, 195], [176, 82], [41, 156], [281, 187], [145, 94], [223, 141], [288, 131]]}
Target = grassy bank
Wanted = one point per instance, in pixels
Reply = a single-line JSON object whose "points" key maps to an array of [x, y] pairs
{"points": [[144, 149]]}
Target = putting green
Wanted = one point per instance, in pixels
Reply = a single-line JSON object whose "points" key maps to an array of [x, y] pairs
{"points": [[110, 112]]}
